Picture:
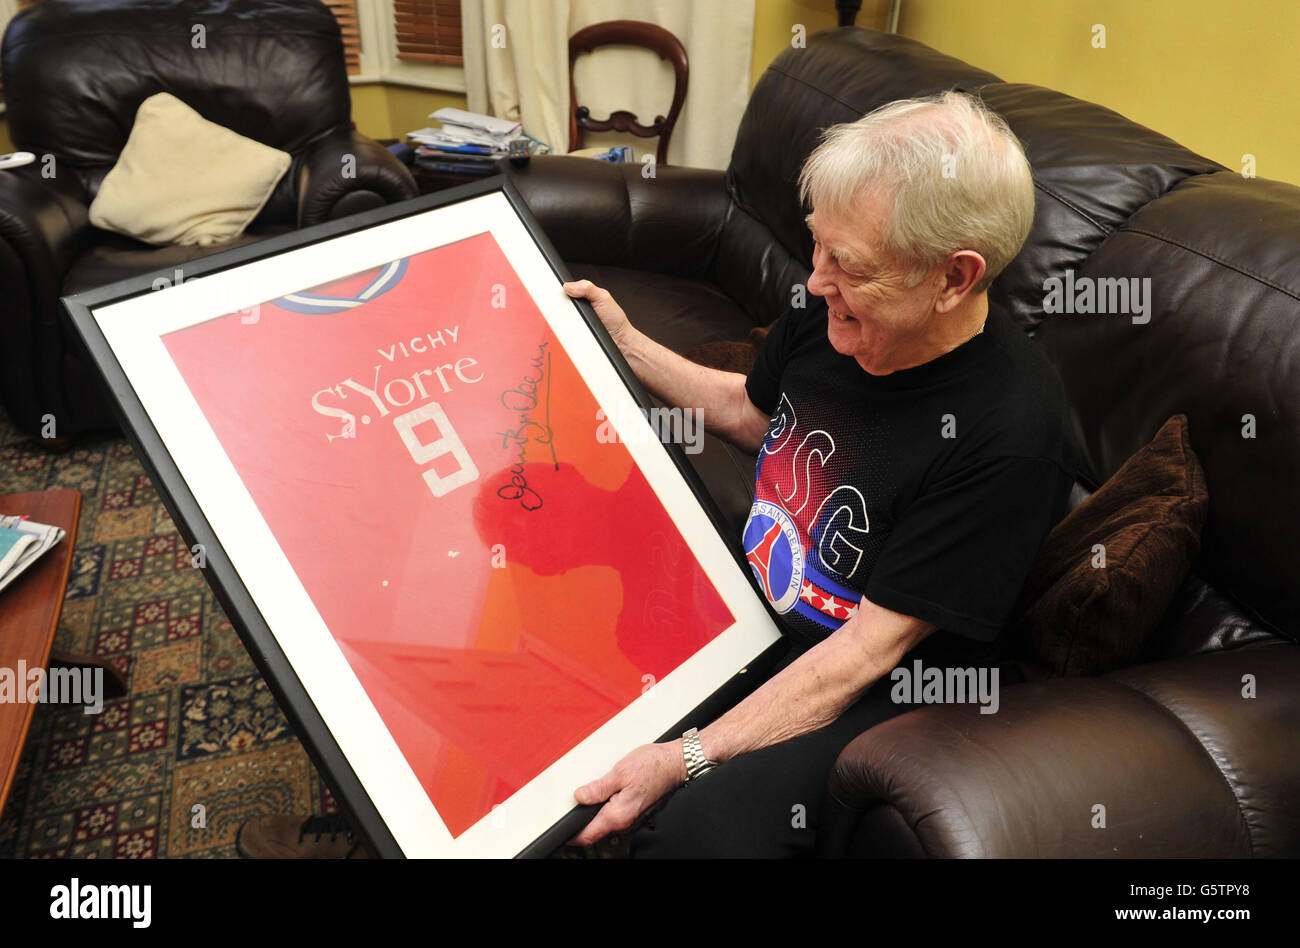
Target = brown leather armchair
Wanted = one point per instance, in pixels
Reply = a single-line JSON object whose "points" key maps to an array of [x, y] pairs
{"points": [[75, 71], [1184, 763]]}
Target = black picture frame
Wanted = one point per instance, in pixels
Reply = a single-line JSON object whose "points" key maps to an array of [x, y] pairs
{"points": [[230, 590]]}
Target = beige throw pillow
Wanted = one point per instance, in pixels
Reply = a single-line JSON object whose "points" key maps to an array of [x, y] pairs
{"points": [[184, 180]]}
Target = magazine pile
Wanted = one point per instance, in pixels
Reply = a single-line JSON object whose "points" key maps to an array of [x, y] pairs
{"points": [[469, 143], [22, 543]]}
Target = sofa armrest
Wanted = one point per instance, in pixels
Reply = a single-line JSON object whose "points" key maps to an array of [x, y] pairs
{"points": [[1184, 765], [45, 222], [603, 213], [348, 173]]}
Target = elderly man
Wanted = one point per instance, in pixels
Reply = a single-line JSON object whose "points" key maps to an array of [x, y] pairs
{"points": [[912, 443]]}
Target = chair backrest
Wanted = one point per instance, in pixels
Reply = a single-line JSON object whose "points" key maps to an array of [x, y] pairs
{"points": [[1114, 200], [76, 71], [628, 33]]}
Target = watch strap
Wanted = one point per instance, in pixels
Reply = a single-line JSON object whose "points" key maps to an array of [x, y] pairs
{"points": [[696, 763]]}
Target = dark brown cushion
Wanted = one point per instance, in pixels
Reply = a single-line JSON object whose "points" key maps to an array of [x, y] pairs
{"points": [[1105, 576]]}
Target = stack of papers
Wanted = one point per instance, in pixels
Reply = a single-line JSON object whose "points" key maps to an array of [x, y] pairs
{"points": [[474, 123], [469, 142], [22, 543]]}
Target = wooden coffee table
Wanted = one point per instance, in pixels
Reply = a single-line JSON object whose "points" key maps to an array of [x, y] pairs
{"points": [[29, 614]]}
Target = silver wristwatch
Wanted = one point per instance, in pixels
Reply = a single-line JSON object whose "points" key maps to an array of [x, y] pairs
{"points": [[696, 763]]}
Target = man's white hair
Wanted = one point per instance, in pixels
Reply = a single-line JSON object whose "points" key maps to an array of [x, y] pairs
{"points": [[954, 174]]}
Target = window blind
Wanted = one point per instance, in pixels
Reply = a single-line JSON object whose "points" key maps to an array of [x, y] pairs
{"points": [[345, 11], [428, 31]]}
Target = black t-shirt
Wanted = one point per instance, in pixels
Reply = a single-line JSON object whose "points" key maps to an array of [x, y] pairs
{"points": [[928, 490]]}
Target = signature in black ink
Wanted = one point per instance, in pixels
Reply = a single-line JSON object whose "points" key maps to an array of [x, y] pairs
{"points": [[524, 400]]}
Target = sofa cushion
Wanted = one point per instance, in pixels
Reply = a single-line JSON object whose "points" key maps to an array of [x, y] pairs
{"points": [[75, 72], [1202, 618], [184, 180], [1106, 574], [1249, 737], [113, 257], [1220, 344], [675, 312], [1093, 169]]}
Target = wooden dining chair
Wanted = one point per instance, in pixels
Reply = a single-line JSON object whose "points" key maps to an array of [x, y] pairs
{"points": [[628, 33]]}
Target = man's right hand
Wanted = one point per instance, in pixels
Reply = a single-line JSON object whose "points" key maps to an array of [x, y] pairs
{"points": [[610, 313]]}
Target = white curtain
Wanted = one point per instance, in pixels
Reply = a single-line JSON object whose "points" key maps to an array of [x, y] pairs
{"points": [[528, 78]]}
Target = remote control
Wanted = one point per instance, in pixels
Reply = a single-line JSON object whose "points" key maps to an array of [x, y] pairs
{"points": [[519, 153], [16, 159]]}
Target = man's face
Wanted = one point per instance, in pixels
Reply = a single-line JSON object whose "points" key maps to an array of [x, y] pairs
{"points": [[873, 315]]}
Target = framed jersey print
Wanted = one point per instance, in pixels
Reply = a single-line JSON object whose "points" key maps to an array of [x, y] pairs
{"points": [[422, 483]]}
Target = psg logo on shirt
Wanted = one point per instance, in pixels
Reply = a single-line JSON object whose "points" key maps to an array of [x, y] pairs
{"points": [[775, 554]]}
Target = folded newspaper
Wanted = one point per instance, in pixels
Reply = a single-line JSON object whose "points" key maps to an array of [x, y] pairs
{"points": [[22, 542]]}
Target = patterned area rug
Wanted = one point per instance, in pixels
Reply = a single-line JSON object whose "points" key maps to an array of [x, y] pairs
{"points": [[199, 726]]}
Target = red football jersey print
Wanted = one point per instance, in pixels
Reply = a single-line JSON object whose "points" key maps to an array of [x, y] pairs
{"points": [[426, 455]]}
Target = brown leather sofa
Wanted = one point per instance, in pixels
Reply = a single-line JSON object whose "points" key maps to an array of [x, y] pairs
{"points": [[1183, 764], [75, 71]]}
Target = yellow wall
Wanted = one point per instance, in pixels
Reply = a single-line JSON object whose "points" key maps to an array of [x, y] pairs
{"points": [[1214, 75], [774, 21], [370, 110], [390, 111]]}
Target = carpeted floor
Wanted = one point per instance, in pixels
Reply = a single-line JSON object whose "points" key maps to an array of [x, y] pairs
{"points": [[199, 725]]}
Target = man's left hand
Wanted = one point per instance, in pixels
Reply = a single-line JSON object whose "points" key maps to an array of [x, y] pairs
{"points": [[632, 787]]}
